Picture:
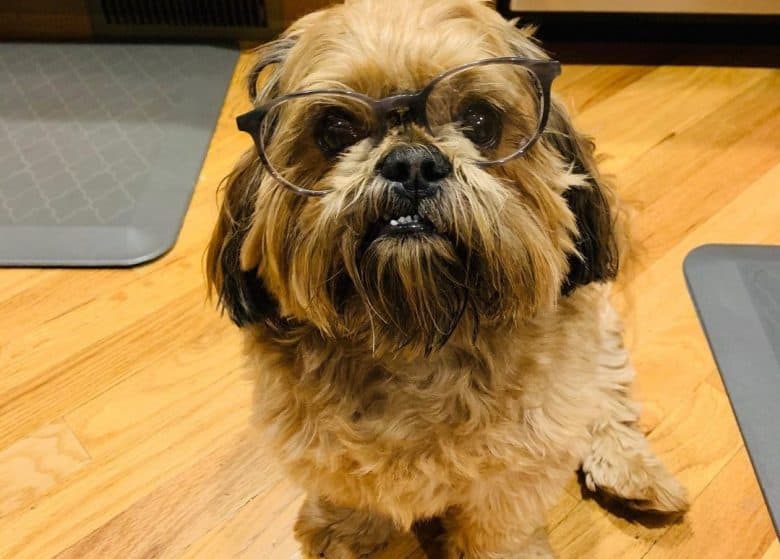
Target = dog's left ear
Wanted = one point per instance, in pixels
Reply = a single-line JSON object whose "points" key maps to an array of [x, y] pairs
{"points": [[591, 202]]}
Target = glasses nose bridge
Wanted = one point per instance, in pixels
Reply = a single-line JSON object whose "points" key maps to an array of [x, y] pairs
{"points": [[402, 108]]}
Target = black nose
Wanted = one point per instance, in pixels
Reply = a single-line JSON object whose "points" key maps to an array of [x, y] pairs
{"points": [[417, 169]]}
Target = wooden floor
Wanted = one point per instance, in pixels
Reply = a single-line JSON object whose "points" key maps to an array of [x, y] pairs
{"points": [[124, 409]]}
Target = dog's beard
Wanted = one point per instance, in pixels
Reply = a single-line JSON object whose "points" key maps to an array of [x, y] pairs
{"points": [[417, 289]]}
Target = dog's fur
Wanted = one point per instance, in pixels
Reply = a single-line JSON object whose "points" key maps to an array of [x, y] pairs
{"points": [[464, 375]]}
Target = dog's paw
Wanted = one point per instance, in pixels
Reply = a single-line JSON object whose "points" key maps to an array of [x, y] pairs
{"points": [[640, 482], [326, 531]]}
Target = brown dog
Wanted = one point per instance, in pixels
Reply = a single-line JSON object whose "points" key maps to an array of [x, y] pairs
{"points": [[417, 250]]}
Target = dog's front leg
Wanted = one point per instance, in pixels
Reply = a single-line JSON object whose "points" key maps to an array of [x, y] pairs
{"points": [[328, 531], [620, 462], [499, 524]]}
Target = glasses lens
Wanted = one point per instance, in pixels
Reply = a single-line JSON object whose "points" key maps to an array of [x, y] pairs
{"points": [[301, 137], [497, 106]]}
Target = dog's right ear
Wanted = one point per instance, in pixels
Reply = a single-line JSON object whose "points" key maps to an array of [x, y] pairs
{"points": [[240, 290]]}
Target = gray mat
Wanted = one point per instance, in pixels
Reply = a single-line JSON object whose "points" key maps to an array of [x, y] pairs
{"points": [[736, 290], [100, 148]]}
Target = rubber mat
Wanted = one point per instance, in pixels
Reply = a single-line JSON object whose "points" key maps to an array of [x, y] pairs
{"points": [[101, 146], [736, 290]]}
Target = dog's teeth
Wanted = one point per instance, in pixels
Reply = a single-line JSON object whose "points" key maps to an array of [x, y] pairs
{"points": [[405, 219]]}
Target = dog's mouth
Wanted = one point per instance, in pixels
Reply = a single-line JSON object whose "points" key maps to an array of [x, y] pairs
{"points": [[410, 225], [406, 225]]}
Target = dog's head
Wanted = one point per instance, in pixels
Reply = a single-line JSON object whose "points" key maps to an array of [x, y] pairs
{"points": [[403, 221]]}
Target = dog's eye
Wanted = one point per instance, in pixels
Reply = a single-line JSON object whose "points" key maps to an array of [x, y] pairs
{"points": [[481, 124], [336, 130]]}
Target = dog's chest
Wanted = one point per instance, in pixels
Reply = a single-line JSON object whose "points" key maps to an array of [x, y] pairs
{"points": [[417, 442], [420, 450]]}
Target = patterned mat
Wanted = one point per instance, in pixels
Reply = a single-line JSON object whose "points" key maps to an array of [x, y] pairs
{"points": [[100, 146]]}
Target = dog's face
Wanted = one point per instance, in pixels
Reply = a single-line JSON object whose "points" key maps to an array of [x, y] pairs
{"points": [[413, 239]]}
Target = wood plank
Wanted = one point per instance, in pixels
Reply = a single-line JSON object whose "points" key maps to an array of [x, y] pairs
{"points": [[195, 501], [113, 483], [59, 293], [37, 463], [122, 416], [15, 280], [678, 176], [774, 550], [276, 540], [743, 512], [669, 100], [240, 531], [571, 75], [586, 89], [88, 371]]}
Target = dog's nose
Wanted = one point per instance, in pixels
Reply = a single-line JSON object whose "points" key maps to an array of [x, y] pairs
{"points": [[418, 169]]}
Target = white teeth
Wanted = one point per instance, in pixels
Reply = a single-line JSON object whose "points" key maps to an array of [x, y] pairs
{"points": [[405, 219]]}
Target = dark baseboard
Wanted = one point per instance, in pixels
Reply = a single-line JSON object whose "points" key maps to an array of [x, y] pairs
{"points": [[679, 39]]}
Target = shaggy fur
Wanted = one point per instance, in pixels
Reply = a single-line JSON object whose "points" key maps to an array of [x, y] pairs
{"points": [[462, 375]]}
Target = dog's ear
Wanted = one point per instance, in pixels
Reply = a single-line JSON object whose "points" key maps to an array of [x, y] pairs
{"points": [[269, 56], [591, 201], [240, 290], [273, 54]]}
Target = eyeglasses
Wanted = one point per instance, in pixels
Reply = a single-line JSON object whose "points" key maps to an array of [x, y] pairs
{"points": [[500, 105]]}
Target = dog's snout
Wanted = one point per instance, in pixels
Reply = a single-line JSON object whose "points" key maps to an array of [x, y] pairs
{"points": [[418, 169]]}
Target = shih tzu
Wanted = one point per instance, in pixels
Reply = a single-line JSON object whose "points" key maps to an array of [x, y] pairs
{"points": [[418, 250]]}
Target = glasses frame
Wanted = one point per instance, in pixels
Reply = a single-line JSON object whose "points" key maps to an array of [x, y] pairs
{"points": [[545, 71]]}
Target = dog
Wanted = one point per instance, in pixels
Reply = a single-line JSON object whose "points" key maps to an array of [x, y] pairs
{"points": [[418, 250]]}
